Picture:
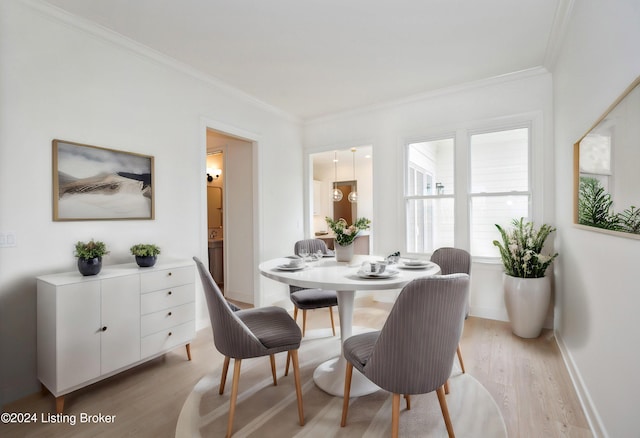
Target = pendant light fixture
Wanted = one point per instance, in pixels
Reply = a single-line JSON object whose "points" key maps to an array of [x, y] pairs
{"points": [[336, 195], [353, 196]]}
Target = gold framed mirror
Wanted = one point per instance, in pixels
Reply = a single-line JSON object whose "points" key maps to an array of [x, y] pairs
{"points": [[606, 163]]}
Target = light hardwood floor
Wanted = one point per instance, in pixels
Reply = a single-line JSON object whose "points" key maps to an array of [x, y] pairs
{"points": [[527, 379]]}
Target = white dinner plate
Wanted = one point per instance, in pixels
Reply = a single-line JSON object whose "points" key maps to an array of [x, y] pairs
{"points": [[291, 268], [411, 266], [415, 262], [388, 273]]}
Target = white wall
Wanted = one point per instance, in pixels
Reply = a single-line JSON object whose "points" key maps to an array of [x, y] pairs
{"points": [[388, 127], [596, 274], [63, 78]]}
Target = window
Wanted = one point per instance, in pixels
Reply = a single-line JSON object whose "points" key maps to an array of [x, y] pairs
{"points": [[430, 195], [499, 176], [447, 208]]}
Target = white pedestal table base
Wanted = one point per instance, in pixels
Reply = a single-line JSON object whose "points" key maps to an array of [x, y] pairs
{"points": [[329, 375]]}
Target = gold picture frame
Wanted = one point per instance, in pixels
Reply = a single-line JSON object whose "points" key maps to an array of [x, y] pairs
{"points": [[96, 183], [605, 169]]}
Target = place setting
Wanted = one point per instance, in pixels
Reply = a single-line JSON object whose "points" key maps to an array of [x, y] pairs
{"points": [[414, 264], [294, 264], [376, 270], [300, 260]]}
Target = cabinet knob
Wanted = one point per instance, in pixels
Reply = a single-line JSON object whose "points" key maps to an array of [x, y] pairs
{"points": [[169, 293], [104, 329], [170, 333], [169, 314], [169, 274]]}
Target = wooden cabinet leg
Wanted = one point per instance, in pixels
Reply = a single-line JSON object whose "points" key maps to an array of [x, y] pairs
{"points": [[59, 404], [188, 347]]}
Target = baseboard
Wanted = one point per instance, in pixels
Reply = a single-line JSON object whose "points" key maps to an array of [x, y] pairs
{"points": [[593, 418], [489, 313]]}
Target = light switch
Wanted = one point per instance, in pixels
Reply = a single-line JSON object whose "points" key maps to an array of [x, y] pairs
{"points": [[7, 239]]}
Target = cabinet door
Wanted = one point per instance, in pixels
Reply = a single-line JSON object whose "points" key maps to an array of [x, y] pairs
{"points": [[78, 337], [120, 322]]}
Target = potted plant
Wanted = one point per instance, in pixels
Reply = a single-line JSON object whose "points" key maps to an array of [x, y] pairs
{"points": [[146, 254], [527, 290], [345, 235], [90, 256]]}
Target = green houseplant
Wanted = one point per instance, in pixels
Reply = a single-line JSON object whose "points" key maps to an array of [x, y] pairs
{"points": [[521, 249], [345, 235], [89, 256], [527, 291], [145, 253]]}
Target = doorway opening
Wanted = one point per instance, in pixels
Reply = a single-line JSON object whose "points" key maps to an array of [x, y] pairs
{"points": [[230, 213], [349, 170]]}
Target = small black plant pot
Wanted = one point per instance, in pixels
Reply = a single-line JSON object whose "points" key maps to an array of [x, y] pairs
{"points": [[146, 261], [89, 266]]}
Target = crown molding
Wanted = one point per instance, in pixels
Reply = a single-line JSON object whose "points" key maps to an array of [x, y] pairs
{"points": [[467, 86], [148, 53], [558, 31]]}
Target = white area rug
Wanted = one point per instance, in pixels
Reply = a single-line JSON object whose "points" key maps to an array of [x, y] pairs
{"points": [[264, 410]]}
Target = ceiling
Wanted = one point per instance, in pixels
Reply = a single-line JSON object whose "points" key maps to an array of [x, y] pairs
{"points": [[311, 58]]}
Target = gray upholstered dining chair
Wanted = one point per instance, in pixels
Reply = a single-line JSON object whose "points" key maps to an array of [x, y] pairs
{"points": [[413, 352], [453, 261], [249, 333], [308, 299]]}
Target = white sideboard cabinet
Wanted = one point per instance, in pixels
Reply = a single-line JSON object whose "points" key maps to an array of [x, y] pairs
{"points": [[90, 328]]}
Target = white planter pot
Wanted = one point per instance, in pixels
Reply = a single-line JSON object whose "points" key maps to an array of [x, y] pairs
{"points": [[527, 301], [343, 253]]}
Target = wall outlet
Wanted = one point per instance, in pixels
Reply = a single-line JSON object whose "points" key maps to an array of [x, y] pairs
{"points": [[7, 239]]}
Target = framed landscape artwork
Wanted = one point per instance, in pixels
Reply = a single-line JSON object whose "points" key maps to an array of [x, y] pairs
{"points": [[95, 183]]}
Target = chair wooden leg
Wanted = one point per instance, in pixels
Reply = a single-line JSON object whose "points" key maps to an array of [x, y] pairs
{"points": [[304, 321], [223, 377], [445, 411], [395, 416], [188, 347], [333, 326], [407, 397], [347, 392], [234, 395], [272, 359], [459, 352], [286, 368], [296, 376], [295, 313], [446, 387]]}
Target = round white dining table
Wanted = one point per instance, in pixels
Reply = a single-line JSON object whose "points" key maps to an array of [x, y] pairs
{"points": [[342, 277]]}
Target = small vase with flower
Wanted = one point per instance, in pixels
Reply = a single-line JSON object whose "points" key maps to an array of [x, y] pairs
{"points": [[345, 235]]}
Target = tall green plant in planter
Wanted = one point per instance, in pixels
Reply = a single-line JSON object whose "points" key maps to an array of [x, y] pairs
{"points": [[527, 290], [521, 249], [90, 256]]}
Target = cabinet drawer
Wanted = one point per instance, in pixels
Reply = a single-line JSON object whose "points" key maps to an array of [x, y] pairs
{"points": [[165, 278], [157, 321], [167, 339], [165, 299]]}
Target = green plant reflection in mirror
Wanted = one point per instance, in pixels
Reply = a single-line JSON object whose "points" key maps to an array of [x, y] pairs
{"points": [[607, 169]]}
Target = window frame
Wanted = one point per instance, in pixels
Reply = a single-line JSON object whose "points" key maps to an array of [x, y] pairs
{"points": [[462, 195], [407, 168]]}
